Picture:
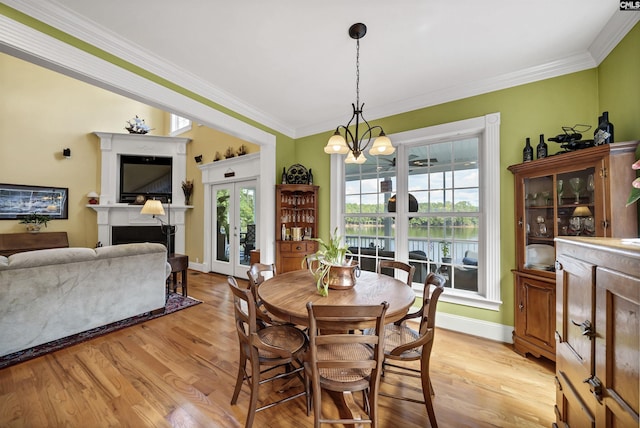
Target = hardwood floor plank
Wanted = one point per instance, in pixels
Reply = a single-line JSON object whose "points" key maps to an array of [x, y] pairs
{"points": [[179, 370]]}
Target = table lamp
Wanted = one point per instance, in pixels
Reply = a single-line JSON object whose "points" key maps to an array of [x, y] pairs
{"points": [[93, 197], [154, 208]]}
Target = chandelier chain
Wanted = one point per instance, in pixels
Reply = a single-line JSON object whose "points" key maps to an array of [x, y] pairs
{"points": [[358, 74]]}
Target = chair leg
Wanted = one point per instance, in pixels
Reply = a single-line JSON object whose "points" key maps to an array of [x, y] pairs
{"points": [[255, 384], [426, 391], [240, 378], [307, 389]]}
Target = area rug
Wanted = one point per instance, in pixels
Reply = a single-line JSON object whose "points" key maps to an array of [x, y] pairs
{"points": [[175, 302]]}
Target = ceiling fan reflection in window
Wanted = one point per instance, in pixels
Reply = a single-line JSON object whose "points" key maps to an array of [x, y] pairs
{"points": [[414, 161]]}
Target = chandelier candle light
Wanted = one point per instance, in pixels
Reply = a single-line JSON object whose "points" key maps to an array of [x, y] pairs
{"points": [[351, 143]]}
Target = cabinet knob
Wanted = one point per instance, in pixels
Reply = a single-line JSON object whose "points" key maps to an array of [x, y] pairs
{"points": [[558, 266], [298, 248], [521, 307]]}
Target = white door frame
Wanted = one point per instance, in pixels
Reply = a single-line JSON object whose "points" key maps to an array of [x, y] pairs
{"points": [[241, 168], [233, 266]]}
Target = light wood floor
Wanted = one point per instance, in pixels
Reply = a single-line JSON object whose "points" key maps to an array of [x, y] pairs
{"points": [[179, 370]]}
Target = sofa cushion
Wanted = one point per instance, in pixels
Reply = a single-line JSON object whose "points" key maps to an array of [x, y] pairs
{"points": [[54, 256]]}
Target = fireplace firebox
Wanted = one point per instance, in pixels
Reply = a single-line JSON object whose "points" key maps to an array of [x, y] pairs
{"points": [[133, 234]]}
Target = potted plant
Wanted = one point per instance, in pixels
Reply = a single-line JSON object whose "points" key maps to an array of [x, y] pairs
{"points": [[334, 269], [445, 252], [35, 221]]}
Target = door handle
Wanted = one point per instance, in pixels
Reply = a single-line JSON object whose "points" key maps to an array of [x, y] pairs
{"points": [[586, 327]]}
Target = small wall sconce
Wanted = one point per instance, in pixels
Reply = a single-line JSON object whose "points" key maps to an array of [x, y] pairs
{"points": [[93, 198], [66, 153], [198, 159]]}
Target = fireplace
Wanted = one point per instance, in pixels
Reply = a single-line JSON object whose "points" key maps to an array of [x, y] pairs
{"points": [[133, 234], [122, 222]]}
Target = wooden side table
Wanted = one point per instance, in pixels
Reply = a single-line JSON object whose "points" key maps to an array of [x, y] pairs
{"points": [[179, 263]]}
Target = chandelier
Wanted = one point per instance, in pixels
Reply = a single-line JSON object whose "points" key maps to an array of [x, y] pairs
{"points": [[347, 142]]}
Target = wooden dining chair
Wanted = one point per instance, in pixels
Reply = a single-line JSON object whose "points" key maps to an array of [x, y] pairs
{"points": [[265, 351], [312, 261], [342, 362], [403, 343], [388, 267], [257, 274]]}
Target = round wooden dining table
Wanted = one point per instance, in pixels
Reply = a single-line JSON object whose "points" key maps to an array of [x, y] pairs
{"points": [[286, 295]]}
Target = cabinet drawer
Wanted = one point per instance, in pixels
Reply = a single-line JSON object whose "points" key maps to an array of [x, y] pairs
{"points": [[301, 247]]}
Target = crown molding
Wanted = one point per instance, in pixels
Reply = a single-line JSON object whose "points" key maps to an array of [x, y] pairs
{"points": [[557, 68], [56, 15], [616, 29], [64, 19]]}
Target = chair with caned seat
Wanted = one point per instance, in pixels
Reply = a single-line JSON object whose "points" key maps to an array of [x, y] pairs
{"points": [[258, 273], [344, 362], [388, 267], [267, 351], [403, 343]]}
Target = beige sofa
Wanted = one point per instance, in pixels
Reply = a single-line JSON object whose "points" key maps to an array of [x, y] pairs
{"points": [[50, 294]]}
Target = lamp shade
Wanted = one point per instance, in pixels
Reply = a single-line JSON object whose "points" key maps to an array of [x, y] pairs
{"points": [[337, 145], [352, 159], [92, 195], [582, 211], [382, 146], [152, 207]]}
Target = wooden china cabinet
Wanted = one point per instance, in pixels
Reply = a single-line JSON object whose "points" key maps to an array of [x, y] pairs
{"points": [[597, 339], [296, 207], [580, 193]]}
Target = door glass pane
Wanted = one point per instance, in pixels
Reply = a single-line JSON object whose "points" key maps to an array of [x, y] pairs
{"points": [[222, 225], [247, 223]]}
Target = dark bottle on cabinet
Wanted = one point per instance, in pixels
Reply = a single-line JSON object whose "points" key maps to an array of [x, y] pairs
{"points": [[527, 152], [604, 133], [284, 176], [310, 180], [541, 149]]}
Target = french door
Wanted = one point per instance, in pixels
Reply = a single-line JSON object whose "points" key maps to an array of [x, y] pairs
{"points": [[234, 226]]}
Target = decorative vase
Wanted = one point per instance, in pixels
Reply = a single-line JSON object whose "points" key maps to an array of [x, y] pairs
{"points": [[342, 277], [33, 228]]}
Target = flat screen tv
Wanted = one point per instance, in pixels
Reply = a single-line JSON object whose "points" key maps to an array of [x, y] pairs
{"points": [[149, 176]]}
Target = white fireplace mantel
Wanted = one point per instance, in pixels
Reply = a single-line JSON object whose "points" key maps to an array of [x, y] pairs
{"points": [[110, 212]]}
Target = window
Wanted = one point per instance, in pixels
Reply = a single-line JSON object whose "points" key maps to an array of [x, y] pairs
{"points": [[434, 202], [179, 125]]}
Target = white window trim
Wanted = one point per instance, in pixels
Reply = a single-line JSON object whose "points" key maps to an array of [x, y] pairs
{"points": [[488, 126], [179, 131]]}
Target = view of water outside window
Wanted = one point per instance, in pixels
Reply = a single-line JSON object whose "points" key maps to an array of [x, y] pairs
{"points": [[443, 212]]}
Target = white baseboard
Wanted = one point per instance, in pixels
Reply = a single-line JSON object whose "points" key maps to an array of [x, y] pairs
{"points": [[200, 267], [474, 327]]}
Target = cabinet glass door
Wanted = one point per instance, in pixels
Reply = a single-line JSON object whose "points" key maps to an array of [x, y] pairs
{"points": [[539, 223], [576, 203]]}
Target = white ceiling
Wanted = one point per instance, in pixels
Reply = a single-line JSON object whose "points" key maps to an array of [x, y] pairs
{"points": [[290, 64]]}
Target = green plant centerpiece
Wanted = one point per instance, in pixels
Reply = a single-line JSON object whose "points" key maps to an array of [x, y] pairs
{"points": [[35, 221], [330, 266]]}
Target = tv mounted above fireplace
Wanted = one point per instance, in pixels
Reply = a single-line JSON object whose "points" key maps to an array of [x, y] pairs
{"points": [[149, 176]]}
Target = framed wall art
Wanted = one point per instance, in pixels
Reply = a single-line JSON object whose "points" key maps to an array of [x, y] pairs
{"points": [[17, 201]]}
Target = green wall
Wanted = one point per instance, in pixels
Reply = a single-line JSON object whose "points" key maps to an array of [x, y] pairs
{"points": [[619, 87], [526, 111]]}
